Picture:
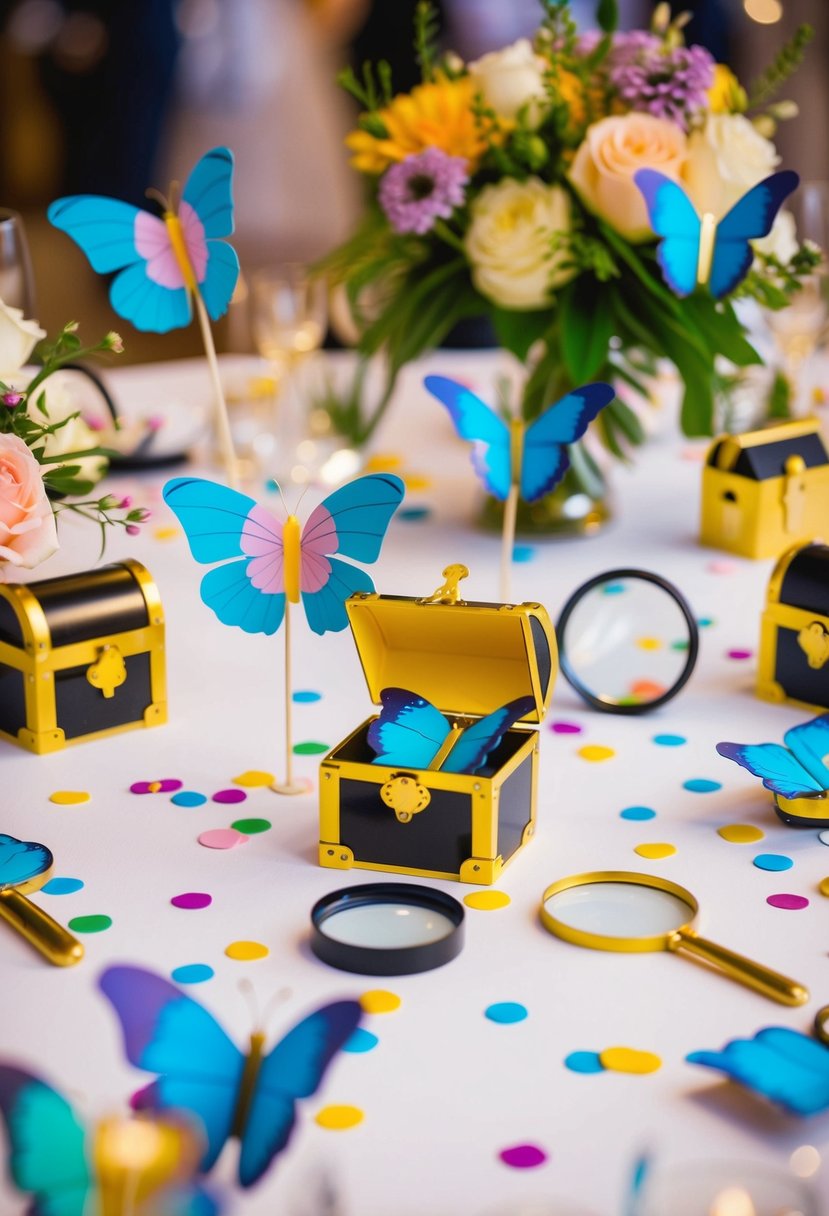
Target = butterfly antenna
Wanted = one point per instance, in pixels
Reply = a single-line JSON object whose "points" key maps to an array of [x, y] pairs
{"points": [[152, 193], [299, 500], [175, 196], [278, 998], [282, 497], [249, 993]]}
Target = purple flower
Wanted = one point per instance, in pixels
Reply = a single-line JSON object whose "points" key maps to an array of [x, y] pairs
{"points": [[12, 399], [422, 188], [668, 82]]}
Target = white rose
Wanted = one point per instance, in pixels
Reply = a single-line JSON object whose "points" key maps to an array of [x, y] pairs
{"points": [[509, 242], [781, 242], [726, 158], [76, 436], [18, 339], [512, 78]]}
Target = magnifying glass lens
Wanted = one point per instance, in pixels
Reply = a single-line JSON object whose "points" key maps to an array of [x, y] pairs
{"points": [[619, 909], [382, 926]]}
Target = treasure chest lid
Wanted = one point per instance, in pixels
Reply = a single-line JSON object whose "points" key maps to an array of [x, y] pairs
{"points": [[801, 578], [465, 657], [762, 454]]}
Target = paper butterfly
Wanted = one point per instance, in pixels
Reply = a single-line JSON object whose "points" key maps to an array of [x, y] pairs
{"points": [[798, 770], [274, 562], [162, 261], [703, 250], [778, 1063], [532, 455], [410, 733], [249, 1095], [63, 1164], [21, 860]]}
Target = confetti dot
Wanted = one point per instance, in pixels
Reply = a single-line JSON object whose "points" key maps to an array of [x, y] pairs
{"points": [[523, 1156], [680, 644], [721, 566], [773, 861], [306, 696], [637, 813], [565, 728], [739, 654], [164, 785], [69, 797], [823, 837], [486, 901], [649, 643], [339, 1118], [695, 455], [614, 589], [523, 553], [669, 740], [251, 827], [166, 533], [823, 887], [192, 900], [221, 838], [246, 951], [253, 778], [378, 1000], [506, 1012], [188, 798], [310, 748], [594, 753], [627, 1059], [383, 462], [705, 622], [789, 903], [62, 886], [416, 481], [584, 1061], [701, 785], [192, 973], [360, 1041], [654, 852], [740, 833], [646, 690], [89, 924], [229, 796], [412, 514]]}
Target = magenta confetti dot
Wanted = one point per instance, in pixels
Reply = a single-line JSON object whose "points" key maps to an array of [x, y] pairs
{"points": [[523, 1156], [739, 654], [166, 786], [790, 903], [230, 796], [221, 838], [565, 728], [192, 900]]}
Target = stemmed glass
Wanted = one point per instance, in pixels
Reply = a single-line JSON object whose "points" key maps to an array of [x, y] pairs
{"points": [[17, 288]]}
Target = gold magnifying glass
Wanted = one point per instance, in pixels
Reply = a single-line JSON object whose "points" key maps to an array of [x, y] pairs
{"points": [[822, 1024], [24, 867], [637, 913]]}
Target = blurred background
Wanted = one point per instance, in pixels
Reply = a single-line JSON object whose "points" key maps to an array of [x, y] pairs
{"points": [[111, 96]]}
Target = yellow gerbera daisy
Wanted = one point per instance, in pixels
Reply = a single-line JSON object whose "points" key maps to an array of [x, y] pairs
{"points": [[726, 95]]}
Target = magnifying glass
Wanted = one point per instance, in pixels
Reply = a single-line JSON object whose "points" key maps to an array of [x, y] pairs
{"points": [[627, 641], [822, 1024], [24, 867], [387, 928], [637, 913]]}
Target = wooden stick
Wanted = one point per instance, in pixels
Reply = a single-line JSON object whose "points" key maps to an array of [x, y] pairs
{"points": [[289, 785], [508, 543], [221, 422]]}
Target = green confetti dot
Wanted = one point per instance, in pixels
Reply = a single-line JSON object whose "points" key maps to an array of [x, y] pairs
{"points": [[310, 749], [250, 827], [90, 924]]}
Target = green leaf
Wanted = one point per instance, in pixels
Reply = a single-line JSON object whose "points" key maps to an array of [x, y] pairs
{"points": [[517, 331], [587, 325], [780, 398], [722, 331], [607, 15]]}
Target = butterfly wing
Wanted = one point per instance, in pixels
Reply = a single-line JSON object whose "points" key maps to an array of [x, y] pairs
{"points": [[778, 769], [474, 420], [778, 1063], [21, 860], [409, 730], [750, 218], [221, 523], [544, 460], [471, 750], [206, 213], [165, 1032], [673, 217], [810, 744], [294, 1069]]}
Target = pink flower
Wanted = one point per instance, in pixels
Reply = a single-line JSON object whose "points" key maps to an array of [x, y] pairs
{"points": [[27, 526], [133, 530], [125, 503], [12, 399]]}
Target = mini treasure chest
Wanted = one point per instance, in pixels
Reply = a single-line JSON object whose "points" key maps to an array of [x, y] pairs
{"points": [[765, 490], [461, 685], [81, 656], [794, 633]]}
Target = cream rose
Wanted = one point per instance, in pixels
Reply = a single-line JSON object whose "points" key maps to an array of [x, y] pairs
{"points": [[510, 79], [509, 242], [726, 158], [781, 242], [27, 526], [611, 152], [18, 339]]}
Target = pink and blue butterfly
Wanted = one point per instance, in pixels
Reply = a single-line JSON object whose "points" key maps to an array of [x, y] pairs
{"points": [[533, 454], [798, 770], [267, 562], [696, 249], [161, 260]]}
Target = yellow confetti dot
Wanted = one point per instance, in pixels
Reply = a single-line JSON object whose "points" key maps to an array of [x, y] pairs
{"points": [[416, 481], [69, 797], [339, 1118], [253, 777], [383, 462], [168, 533], [486, 901], [594, 752], [649, 643], [379, 1001], [740, 833], [824, 887], [654, 851], [154, 787], [245, 951], [628, 1059]]}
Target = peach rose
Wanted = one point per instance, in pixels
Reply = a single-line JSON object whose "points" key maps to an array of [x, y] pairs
{"points": [[27, 526], [611, 152]]}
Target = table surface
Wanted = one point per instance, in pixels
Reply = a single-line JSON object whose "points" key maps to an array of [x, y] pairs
{"points": [[446, 1089]]}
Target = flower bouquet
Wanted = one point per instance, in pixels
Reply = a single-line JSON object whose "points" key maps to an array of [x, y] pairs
{"points": [[504, 189]]}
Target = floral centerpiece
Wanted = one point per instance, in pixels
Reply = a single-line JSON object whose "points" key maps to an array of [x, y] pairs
{"points": [[504, 188]]}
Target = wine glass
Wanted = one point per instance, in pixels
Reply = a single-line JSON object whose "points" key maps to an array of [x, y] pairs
{"points": [[17, 287]]}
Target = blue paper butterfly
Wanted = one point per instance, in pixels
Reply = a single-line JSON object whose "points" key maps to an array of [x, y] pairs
{"points": [[273, 562], [162, 261], [52, 1158], [532, 455], [410, 732], [201, 1071], [778, 1063], [21, 860], [796, 771], [700, 250]]}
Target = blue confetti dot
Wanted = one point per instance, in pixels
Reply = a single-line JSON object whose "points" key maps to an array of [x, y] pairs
{"points": [[188, 798], [523, 553], [614, 589], [62, 886], [705, 622], [192, 973], [360, 1041], [506, 1012], [669, 740], [306, 697], [271, 486], [637, 813], [584, 1061], [414, 513], [700, 785], [768, 861]]}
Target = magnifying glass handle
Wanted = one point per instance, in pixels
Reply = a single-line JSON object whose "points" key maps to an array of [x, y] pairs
{"points": [[53, 941], [769, 983]]}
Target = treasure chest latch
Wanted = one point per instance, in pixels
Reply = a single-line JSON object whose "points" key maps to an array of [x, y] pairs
{"points": [[813, 640], [405, 795], [108, 672]]}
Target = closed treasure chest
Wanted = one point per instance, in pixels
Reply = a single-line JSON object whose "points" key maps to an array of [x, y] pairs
{"points": [[794, 634], [467, 660], [765, 490], [81, 656]]}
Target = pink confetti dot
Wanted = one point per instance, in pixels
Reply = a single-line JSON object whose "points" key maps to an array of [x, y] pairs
{"points": [[226, 796], [721, 566], [523, 1156], [222, 838], [565, 728], [790, 903], [192, 900], [739, 654]]}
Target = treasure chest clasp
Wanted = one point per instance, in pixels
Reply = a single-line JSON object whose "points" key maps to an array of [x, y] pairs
{"points": [[405, 795], [108, 672]]}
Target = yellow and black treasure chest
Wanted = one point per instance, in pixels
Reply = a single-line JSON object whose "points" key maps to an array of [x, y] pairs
{"points": [[765, 490], [81, 656], [468, 660], [794, 633]]}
